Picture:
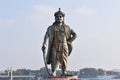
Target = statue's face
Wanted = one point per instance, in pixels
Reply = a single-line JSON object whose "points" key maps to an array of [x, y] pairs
{"points": [[59, 18]]}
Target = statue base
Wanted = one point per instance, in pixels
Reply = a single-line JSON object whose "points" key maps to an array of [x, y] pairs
{"points": [[62, 78]]}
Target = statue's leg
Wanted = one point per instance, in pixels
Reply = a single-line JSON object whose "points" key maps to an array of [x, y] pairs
{"points": [[54, 68], [63, 68], [54, 63], [65, 59]]}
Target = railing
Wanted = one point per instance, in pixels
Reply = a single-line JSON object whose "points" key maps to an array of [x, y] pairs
{"points": [[17, 76]]}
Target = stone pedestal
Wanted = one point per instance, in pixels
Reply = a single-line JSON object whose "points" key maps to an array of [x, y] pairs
{"points": [[62, 78]]}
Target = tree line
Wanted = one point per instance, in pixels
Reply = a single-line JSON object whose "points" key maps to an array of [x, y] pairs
{"points": [[85, 72]]}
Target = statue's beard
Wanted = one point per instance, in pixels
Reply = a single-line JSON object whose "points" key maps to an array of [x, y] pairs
{"points": [[59, 22]]}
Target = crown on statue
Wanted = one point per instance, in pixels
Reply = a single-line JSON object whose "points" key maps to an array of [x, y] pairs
{"points": [[59, 13]]}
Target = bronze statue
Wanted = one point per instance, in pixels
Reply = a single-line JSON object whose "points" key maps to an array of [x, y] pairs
{"points": [[60, 37]]}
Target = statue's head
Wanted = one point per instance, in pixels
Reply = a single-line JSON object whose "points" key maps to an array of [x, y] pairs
{"points": [[59, 13], [59, 16]]}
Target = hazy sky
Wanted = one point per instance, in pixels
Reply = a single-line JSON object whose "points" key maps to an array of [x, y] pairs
{"points": [[23, 24]]}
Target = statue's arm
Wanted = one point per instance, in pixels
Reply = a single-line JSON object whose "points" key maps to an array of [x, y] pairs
{"points": [[45, 41], [73, 35], [46, 38]]}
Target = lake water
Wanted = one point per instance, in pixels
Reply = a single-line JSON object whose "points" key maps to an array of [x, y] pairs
{"points": [[96, 79], [100, 78]]}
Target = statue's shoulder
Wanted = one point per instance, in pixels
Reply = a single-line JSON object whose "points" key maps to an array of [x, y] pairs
{"points": [[50, 27], [67, 26]]}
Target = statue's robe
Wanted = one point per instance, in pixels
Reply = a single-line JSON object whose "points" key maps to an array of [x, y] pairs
{"points": [[67, 47]]}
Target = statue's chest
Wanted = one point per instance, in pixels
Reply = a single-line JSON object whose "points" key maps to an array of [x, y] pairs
{"points": [[60, 33]]}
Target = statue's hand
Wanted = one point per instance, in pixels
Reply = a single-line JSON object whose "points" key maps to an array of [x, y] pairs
{"points": [[43, 48], [69, 42]]}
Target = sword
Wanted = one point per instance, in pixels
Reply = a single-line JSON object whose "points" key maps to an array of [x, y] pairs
{"points": [[45, 63]]}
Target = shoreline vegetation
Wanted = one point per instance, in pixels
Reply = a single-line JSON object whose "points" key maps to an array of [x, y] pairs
{"points": [[82, 73]]}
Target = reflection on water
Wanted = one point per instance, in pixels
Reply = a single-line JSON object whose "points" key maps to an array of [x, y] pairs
{"points": [[96, 79], [101, 78]]}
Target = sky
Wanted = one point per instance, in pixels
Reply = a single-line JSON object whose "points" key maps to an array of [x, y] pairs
{"points": [[23, 24]]}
